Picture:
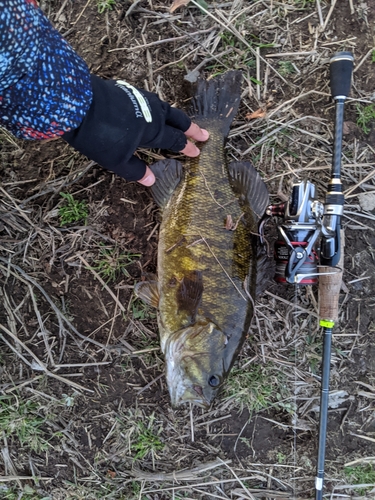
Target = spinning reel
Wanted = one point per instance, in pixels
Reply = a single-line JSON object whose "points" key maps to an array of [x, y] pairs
{"points": [[309, 232], [296, 248]]}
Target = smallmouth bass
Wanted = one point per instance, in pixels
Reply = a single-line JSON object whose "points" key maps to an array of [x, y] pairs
{"points": [[206, 252]]}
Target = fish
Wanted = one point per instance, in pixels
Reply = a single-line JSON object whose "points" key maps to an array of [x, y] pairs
{"points": [[207, 253]]}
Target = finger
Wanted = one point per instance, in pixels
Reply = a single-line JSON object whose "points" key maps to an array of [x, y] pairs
{"points": [[148, 179], [197, 133], [191, 150], [176, 118]]}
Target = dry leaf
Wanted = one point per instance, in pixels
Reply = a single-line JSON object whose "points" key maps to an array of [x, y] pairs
{"points": [[178, 3], [259, 113]]}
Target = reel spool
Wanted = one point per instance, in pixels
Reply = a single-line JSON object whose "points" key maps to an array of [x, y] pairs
{"points": [[296, 255]]}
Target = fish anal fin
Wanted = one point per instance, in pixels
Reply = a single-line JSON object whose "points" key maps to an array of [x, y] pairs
{"points": [[168, 174], [261, 271], [189, 293], [148, 291], [249, 185]]}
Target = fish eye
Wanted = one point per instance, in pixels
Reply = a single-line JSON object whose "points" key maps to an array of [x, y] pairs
{"points": [[214, 381]]}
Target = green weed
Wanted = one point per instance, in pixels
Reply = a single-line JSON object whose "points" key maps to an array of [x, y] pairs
{"points": [[373, 56], [112, 262], [22, 420], [203, 5], [286, 68], [104, 5], [366, 115], [142, 311], [73, 210], [362, 474], [256, 388], [280, 457], [146, 441], [303, 3], [14, 493]]}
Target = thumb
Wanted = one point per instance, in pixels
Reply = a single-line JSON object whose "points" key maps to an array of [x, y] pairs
{"points": [[190, 150], [148, 179]]}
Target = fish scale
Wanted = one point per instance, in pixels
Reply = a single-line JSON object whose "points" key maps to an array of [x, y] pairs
{"points": [[194, 214]]}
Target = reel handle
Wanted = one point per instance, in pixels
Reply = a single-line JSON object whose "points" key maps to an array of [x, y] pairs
{"points": [[341, 68], [329, 288]]}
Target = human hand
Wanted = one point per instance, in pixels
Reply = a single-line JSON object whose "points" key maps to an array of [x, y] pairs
{"points": [[193, 132], [123, 118]]}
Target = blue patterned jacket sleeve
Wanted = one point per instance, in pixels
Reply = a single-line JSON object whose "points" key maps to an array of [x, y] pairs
{"points": [[45, 87]]}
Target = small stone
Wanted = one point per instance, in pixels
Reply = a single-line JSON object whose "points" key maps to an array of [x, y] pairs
{"points": [[367, 201]]}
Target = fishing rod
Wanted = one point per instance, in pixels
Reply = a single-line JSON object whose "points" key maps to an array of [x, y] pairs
{"points": [[310, 245], [331, 253]]}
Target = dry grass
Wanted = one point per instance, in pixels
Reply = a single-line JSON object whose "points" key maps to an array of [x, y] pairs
{"points": [[90, 391]]}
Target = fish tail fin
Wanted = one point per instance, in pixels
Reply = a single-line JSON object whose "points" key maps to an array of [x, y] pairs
{"points": [[218, 100]]}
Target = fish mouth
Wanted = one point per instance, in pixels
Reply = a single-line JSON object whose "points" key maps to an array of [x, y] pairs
{"points": [[178, 401], [184, 393]]}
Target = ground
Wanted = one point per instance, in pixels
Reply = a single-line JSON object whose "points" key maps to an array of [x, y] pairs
{"points": [[84, 408]]}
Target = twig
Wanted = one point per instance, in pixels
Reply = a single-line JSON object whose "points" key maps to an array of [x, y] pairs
{"points": [[319, 9], [150, 383], [131, 8], [41, 326], [293, 54], [291, 304], [83, 365], [82, 11], [367, 438], [23, 384], [58, 13], [258, 72], [369, 460], [182, 475], [363, 59], [5, 479], [329, 14], [191, 422]]}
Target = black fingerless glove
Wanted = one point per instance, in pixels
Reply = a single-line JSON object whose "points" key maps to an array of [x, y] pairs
{"points": [[122, 118]]}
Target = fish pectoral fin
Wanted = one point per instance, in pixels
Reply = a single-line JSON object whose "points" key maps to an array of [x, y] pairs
{"points": [[189, 293], [148, 291], [249, 185], [168, 174]]}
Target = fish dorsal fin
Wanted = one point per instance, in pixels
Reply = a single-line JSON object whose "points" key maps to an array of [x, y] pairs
{"points": [[249, 185], [148, 291], [168, 174], [190, 292]]}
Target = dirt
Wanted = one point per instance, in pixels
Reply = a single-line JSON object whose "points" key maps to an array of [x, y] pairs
{"points": [[122, 388]]}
